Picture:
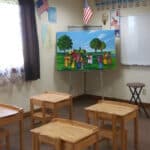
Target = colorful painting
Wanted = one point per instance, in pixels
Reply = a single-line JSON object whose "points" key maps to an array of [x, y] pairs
{"points": [[85, 50]]}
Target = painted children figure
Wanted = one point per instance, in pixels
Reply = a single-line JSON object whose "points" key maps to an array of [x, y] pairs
{"points": [[109, 58], [100, 61], [73, 64], [82, 62], [105, 62], [66, 60], [90, 59]]}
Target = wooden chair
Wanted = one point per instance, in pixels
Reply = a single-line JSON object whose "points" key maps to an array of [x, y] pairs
{"points": [[4, 134], [109, 129]]}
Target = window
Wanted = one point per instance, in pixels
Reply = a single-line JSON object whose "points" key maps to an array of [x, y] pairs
{"points": [[11, 51]]}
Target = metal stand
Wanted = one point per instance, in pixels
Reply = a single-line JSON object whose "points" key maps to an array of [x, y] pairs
{"points": [[84, 80], [101, 84], [70, 81], [84, 28]]}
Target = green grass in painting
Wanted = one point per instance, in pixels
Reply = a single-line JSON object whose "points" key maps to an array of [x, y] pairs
{"points": [[94, 66]]}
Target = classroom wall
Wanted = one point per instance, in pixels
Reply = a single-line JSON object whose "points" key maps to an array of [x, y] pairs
{"points": [[68, 13], [114, 81]]}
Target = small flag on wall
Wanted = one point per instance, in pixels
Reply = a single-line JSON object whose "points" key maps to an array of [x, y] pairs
{"points": [[42, 5], [52, 14], [87, 12]]}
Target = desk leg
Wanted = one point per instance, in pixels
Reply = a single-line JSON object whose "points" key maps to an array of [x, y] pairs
{"points": [[114, 142], [123, 143], [136, 131], [21, 127], [55, 115], [70, 109], [58, 145], [32, 111], [35, 142], [96, 145], [87, 117]]}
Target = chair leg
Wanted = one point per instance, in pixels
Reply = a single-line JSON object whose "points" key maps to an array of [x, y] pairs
{"points": [[125, 137]]}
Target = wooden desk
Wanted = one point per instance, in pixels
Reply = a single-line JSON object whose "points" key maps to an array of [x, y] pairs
{"points": [[67, 134], [123, 113], [52, 100], [9, 114]]}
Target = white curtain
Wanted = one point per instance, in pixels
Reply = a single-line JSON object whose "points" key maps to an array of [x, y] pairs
{"points": [[9, 1], [11, 53]]}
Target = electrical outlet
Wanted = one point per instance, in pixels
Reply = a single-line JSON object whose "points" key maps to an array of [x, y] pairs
{"points": [[144, 91]]}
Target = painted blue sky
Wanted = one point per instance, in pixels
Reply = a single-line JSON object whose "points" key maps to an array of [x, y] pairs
{"points": [[83, 38]]}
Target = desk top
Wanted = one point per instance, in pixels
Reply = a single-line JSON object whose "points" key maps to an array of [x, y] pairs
{"points": [[7, 112], [67, 130], [113, 108], [53, 97]]}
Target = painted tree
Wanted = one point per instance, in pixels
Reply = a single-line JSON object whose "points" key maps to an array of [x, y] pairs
{"points": [[95, 44], [64, 43], [103, 46]]}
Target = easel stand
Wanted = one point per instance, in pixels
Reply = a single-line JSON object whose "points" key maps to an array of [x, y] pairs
{"points": [[84, 78], [79, 28], [101, 83], [70, 81]]}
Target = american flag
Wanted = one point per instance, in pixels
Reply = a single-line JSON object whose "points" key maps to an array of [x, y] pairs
{"points": [[42, 5], [87, 12]]}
